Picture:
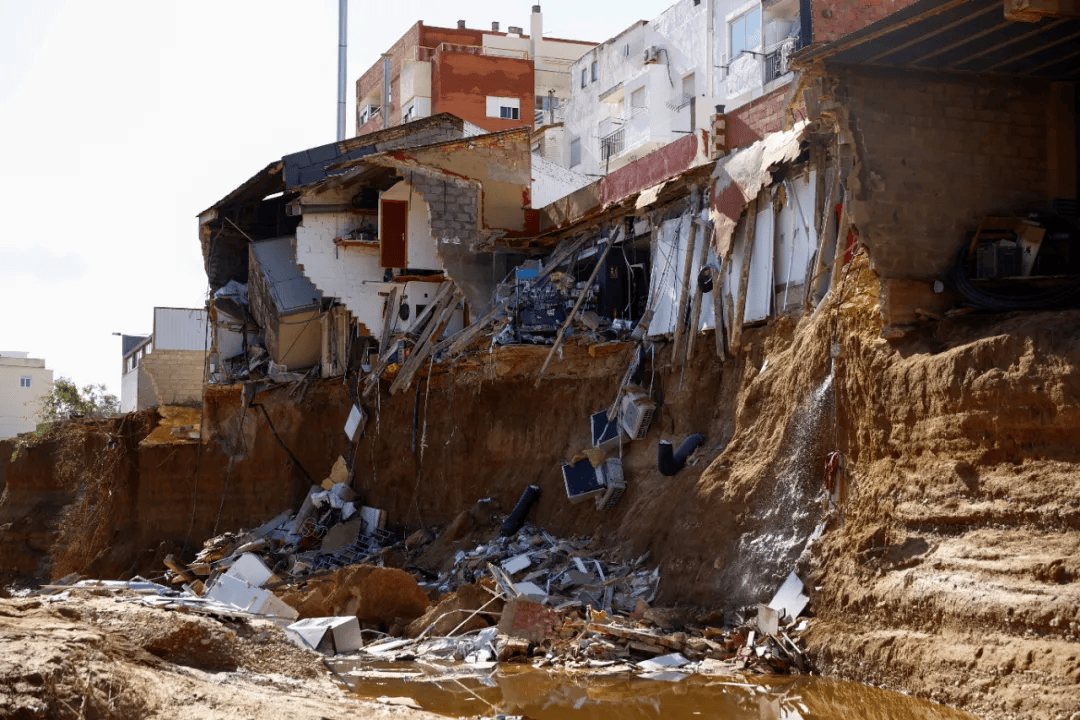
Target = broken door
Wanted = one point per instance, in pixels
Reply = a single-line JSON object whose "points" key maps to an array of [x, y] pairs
{"points": [[393, 233]]}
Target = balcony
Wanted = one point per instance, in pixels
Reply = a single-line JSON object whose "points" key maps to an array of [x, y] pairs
{"points": [[611, 144], [778, 59]]}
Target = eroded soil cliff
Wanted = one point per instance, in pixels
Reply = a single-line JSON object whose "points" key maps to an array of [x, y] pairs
{"points": [[947, 564]]}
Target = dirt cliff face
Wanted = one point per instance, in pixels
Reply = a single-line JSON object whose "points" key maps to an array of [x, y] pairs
{"points": [[947, 566]]}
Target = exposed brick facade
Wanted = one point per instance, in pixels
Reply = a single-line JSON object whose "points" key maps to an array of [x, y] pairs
{"points": [[176, 376], [755, 120], [833, 19], [939, 154]]}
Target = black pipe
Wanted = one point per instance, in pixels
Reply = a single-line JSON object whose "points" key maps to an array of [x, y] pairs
{"points": [[516, 518], [670, 463]]}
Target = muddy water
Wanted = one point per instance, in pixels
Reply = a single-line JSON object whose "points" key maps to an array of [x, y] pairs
{"points": [[546, 695]]}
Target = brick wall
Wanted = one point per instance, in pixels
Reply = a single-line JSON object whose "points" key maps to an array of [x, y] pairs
{"points": [[755, 120], [400, 51], [452, 207], [176, 375], [833, 19], [938, 155]]}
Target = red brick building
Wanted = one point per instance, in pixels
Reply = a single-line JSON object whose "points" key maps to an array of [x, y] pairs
{"points": [[495, 80]]}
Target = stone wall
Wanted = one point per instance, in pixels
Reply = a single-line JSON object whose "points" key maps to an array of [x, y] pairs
{"points": [[176, 375]]}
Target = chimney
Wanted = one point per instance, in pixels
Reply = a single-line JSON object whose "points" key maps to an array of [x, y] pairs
{"points": [[461, 24], [494, 27], [536, 30]]}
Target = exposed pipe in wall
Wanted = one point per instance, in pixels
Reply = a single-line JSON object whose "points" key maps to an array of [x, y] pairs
{"points": [[341, 66]]}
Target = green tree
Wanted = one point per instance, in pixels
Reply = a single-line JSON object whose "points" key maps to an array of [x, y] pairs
{"points": [[68, 401]]}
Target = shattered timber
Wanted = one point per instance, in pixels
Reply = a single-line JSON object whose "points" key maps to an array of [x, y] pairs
{"points": [[766, 400]]}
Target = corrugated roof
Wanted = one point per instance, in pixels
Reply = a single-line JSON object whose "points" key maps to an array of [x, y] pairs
{"points": [[289, 287]]}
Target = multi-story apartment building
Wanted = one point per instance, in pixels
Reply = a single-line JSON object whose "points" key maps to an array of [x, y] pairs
{"points": [[661, 80], [24, 383], [493, 79]]}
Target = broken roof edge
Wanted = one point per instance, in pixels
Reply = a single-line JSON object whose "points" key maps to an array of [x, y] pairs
{"points": [[267, 173], [525, 131], [805, 58]]}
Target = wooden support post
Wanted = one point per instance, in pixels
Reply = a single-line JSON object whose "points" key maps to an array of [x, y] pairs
{"points": [[427, 342], [718, 313], [744, 277], [684, 291], [444, 289], [841, 242], [616, 236], [390, 313], [695, 310], [822, 228]]}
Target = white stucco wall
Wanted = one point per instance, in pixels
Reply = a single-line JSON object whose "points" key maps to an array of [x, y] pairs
{"points": [[20, 406], [692, 39], [354, 275], [551, 182]]}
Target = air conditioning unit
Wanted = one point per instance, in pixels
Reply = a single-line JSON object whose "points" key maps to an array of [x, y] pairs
{"points": [[636, 414], [582, 481], [614, 483], [652, 54]]}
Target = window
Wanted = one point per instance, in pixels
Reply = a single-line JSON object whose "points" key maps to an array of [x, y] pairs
{"points": [[584, 77], [504, 107], [595, 71], [626, 50], [697, 2], [746, 32], [638, 102], [24, 381], [575, 152]]}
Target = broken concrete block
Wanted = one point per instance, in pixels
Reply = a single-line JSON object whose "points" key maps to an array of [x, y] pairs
{"points": [[514, 648], [530, 590], [529, 620], [342, 535], [768, 620], [663, 662], [251, 570], [516, 564], [343, 632], [232, 591], [374, 519], [790, 600]]}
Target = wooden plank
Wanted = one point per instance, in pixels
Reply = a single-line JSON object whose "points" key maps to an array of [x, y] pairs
{"points": [[744, 276], [823, 225], [430, 310], [577, 306], [695, 310], [718, 314], [393, 305], [425, 345], [684, 292], [841, 243]]}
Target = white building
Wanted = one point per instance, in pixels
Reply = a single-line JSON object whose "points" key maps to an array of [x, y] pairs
{"points": [[660, 80], [165, 368], [24, 383]]}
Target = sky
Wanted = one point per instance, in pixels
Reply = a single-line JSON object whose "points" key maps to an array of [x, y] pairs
{"points": [[122, 120]]}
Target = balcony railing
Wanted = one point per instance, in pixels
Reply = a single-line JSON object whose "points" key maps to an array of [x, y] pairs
{"points": [[426, 53], [778, 60], [611, 144]]}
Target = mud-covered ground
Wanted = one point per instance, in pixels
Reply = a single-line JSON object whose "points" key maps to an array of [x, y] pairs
{"points": [[98, 657]]}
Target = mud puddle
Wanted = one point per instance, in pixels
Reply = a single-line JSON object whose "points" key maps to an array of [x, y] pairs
{"points": [[460, 691]]}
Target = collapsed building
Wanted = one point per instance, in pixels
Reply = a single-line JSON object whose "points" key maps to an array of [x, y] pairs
{"points": [[809, 297]]}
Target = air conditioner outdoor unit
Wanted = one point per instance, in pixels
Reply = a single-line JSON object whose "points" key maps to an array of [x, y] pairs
{"points": [[636, 414], [652, 54], [614, 484]]}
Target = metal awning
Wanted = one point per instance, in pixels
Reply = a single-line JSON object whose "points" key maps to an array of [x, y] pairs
{"points": [[960, 36]]}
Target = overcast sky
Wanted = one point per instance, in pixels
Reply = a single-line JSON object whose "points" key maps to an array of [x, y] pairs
{"points": [[121, 120]]}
